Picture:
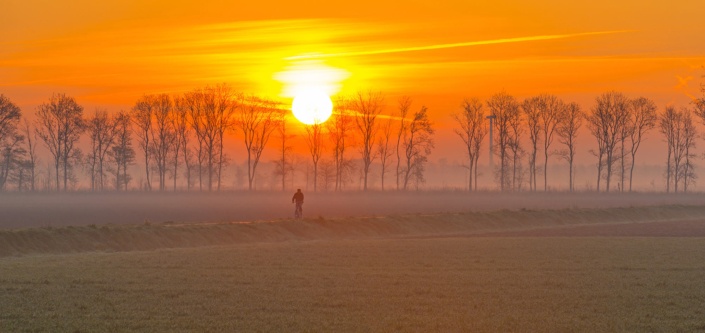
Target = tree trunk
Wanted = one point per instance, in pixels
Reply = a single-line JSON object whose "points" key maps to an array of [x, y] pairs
{"points": [[367, 171], [570, 174], [249, 169], [668, 170], [621, 188], [66, 173], [315, 177], [220, 162], [631, 174], [470, 174], [545, 171], [209, 170], [599, 172], [609, 171], [146, 166]]}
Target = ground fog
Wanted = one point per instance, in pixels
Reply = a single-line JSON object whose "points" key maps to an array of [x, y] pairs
{"points": [[51, 209]]}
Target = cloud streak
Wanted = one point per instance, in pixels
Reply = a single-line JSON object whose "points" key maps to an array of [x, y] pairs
{"points": [[454, 45]]}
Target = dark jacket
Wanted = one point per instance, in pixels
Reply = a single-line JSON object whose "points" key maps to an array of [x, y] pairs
{"points": [[298, 197]]}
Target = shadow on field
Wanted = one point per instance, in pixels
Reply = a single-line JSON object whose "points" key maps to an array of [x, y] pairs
{"points": [[151, 236]]}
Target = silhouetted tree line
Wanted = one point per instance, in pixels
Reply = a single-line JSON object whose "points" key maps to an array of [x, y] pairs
{"points": [[183, 136], [358, 122], [617, 123]]}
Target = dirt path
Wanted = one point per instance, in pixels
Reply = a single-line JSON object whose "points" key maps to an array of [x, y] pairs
{"points": [[684, 228]]}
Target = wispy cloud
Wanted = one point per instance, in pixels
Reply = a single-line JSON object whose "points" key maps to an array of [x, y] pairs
{"points": [[246, 51], [454, 45]]}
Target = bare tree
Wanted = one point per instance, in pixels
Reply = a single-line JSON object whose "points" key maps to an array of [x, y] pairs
{"points": [[690, 134], [367, 107], [163, 136], [532, 110], [175, 149], [21, 172], [339, 127], [11, 156], [384, 148], [122, 154], [326, 174], [257, 120], [31, 148], [642, 118], [594, 124], [626, 131], [227, 104], [208, 111], [314, 141], [472, 129], [102, 132], [700, 104], [142, 114], [284, 164], [417, 145], [60, 124], [606, 122], [10, 140], [9, 117], [667, 127], [680, 133], [504, 107], [516, 130], [550, 112], [404, 106], [567, 135], [194, 104], [180, 123]]}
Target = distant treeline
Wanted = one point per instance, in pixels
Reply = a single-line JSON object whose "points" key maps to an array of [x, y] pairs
{"points": [[180, 140]]}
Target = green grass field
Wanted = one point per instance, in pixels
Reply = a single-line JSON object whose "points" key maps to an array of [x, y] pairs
{"points": [[374, 283], [419, 285]]}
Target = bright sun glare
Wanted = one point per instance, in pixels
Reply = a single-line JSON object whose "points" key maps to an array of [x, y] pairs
{"points": [[312, 106], [311, 83]]}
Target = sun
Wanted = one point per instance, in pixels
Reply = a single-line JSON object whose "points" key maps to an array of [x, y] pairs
{"points": [[311, 83], [312, 106]]}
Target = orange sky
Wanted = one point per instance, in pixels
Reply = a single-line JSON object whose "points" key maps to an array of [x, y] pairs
{"points": [[110, 52]]}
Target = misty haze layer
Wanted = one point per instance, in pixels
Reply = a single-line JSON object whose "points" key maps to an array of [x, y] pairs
{"points": [[51, 209]]}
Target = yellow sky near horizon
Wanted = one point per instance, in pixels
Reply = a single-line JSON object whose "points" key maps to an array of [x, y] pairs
{"points": [[111, 52]]}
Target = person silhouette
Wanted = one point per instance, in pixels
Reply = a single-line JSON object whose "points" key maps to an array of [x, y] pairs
{"points": [[298, 198]]}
